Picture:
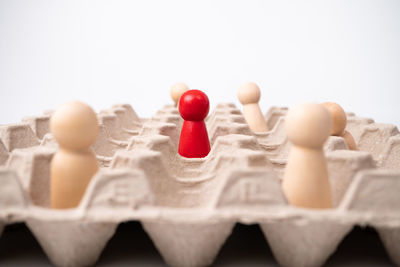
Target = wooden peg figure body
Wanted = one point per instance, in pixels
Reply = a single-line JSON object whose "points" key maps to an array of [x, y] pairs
{"points": [[74, 126], [339, 124], [306, 181], [193, 107], [249, 96]]}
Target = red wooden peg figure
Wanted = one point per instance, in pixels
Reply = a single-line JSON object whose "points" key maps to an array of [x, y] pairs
{"points": [[194, 107]]}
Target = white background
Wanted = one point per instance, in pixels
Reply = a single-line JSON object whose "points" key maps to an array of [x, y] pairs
{"points": [[107, 52]]}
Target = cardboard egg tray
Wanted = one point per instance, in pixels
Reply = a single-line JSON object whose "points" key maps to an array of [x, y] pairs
{"points": [[189, 207]]}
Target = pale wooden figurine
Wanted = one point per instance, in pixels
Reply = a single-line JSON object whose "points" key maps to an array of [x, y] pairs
{"points": [[339, 124], [75, 128], [306, 181], [177, 90], [249, 95]]}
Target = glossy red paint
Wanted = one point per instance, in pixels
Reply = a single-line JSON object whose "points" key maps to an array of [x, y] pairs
{"points": [[193, 107]]}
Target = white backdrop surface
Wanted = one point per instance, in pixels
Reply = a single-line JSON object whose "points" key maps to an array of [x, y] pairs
{"points": [[108, 52]]}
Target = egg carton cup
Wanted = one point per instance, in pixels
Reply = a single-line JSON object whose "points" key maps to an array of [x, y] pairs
{"points": [[189, 207]]}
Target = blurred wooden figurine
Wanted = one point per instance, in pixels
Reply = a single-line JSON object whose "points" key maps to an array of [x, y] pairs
{"points": [[177, 90], [249, 95], [339, 124], [75, 128], [306, 181]]}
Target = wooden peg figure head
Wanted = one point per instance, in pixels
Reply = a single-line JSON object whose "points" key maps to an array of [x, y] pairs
{"points": [[177, 91], [74, 126], [338, 116], [308, 125], [249, 93]]}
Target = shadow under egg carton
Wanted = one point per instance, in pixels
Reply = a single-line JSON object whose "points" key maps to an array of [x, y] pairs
{"points": [[189, 207]]}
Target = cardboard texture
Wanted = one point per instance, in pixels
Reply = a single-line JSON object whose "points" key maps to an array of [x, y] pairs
{"points": [[189, 206]]}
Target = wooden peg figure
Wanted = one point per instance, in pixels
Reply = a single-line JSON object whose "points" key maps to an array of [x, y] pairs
{"points": [[249, 95], [306, 182], [193, 107], [75, 128], [339, 124], [177, 90]]}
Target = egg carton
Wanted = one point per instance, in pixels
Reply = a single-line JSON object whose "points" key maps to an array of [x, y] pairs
{"points": [[189, 206]]}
